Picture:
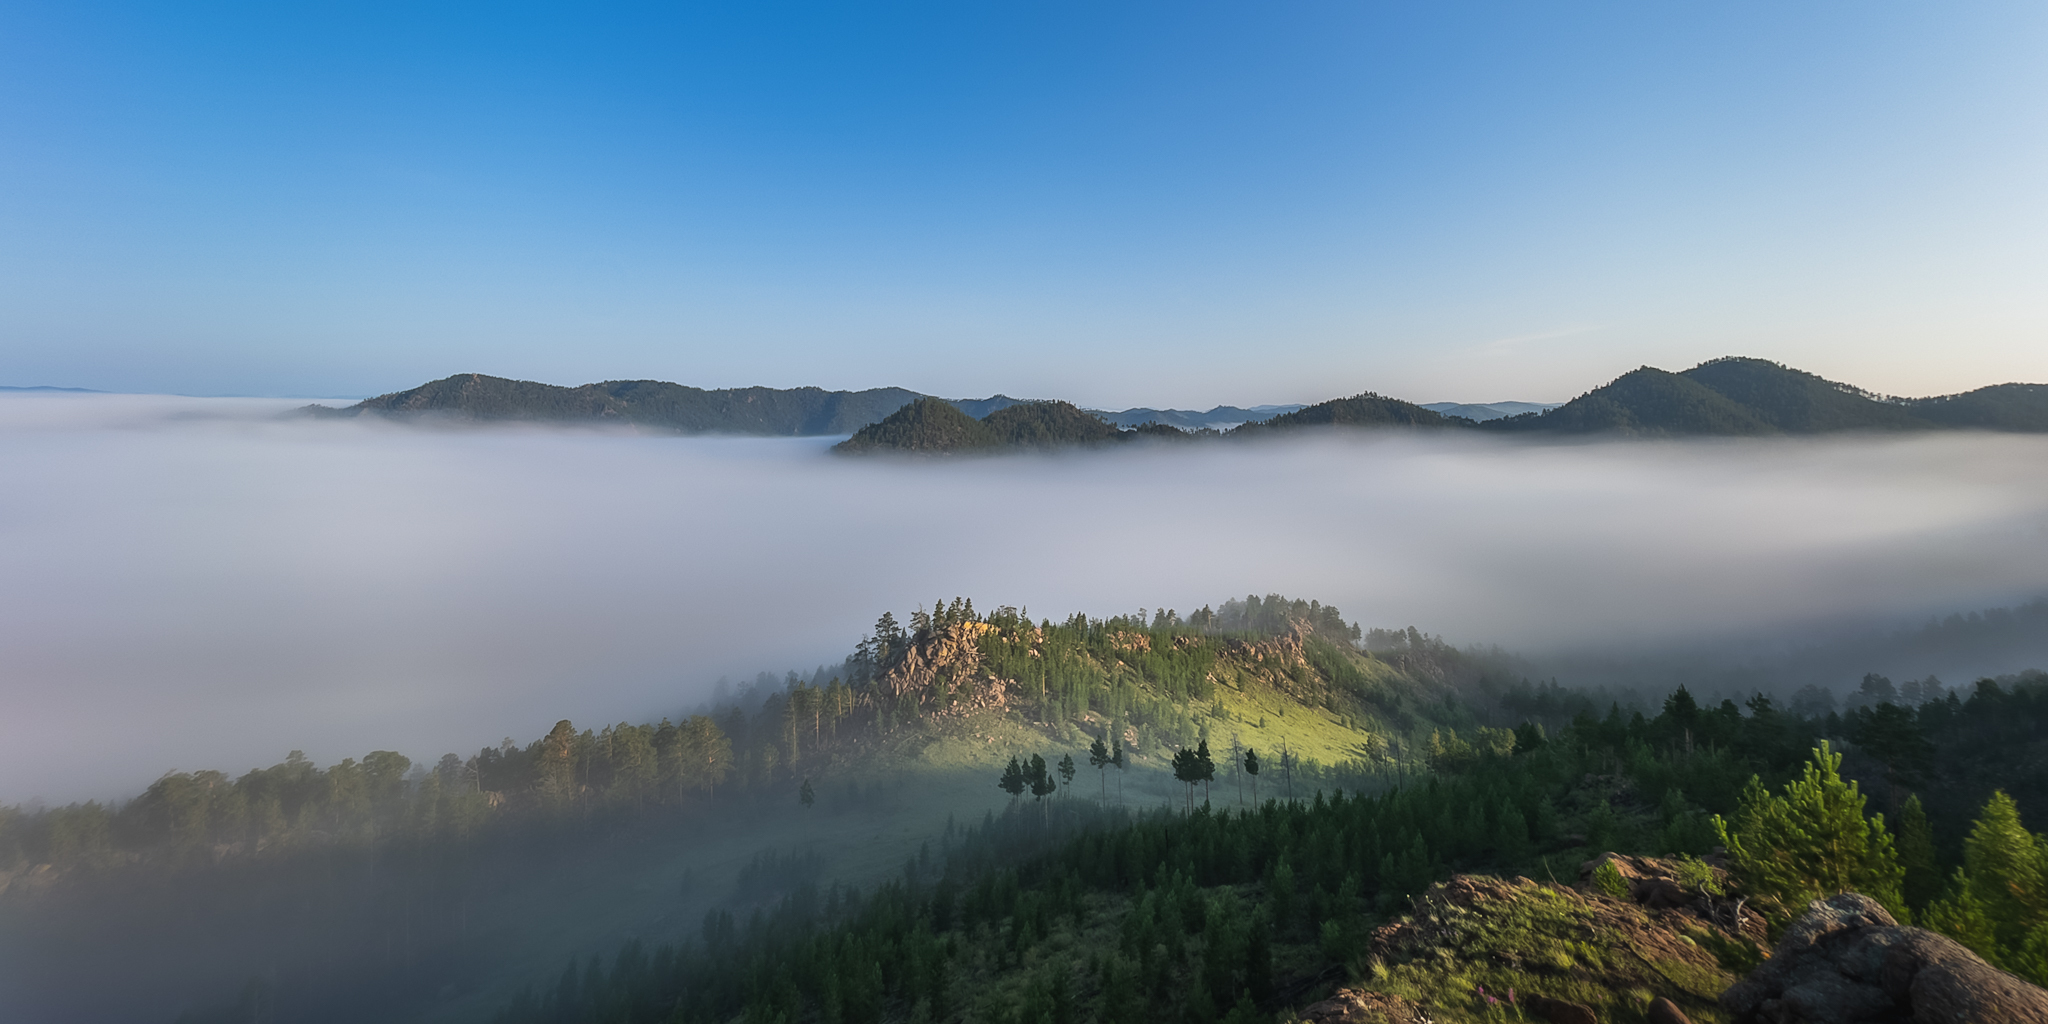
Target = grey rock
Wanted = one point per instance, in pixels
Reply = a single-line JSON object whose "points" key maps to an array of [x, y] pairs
{"points": [[1848, 962]]}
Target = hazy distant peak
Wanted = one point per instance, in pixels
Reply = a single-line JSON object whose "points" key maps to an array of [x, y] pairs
{"points": [[1366, 409], [1222, 417], [1480, 411]]}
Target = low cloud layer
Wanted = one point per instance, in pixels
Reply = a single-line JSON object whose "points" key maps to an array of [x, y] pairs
{"points": [[193, 583]]}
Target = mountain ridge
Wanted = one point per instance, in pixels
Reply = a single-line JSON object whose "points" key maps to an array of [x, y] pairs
{"points": [[1733, 396]]}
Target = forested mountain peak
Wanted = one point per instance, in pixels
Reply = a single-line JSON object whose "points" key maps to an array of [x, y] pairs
{"points": [[1799, 402], [2015, 407], [644, 403], [923, 426], [1644, 402], [1362, 410]]}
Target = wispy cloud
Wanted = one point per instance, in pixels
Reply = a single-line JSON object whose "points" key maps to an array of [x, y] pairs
{"points": [[1516, 341]]}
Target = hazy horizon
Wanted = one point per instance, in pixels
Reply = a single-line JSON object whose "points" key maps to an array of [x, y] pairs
{"points": [[1198, 204], [198, 583]]}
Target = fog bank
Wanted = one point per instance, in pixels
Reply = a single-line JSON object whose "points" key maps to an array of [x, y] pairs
{"points": [[193, 583]]}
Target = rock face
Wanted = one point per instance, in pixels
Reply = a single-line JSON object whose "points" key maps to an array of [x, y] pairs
{"points": [[1847, 961]]}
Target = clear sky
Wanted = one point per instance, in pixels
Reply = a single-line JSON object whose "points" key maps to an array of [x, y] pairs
{"points": [[1164, 204]]}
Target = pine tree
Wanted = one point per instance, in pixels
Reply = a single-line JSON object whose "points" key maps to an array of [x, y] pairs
{"points": [[1811, 842], [1962, 916], [1258, 960], [1041, 782], [2006, 872], [1012, 781], [1251, 768], [1116, 758], [1916, 856], [1206, 767], [1187, 770], [1098, 758]]}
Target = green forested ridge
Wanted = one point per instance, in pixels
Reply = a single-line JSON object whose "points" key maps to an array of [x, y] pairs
{"points": [[1042, 424], [2015, 407], [1738, 396], [1732, 396], [926, 425], [1241, 913], [1155, 681], [645, 403], [1646, 401], [1364, 410], [1376, 778], [934, 425], [1798, 402], [413, 874]]}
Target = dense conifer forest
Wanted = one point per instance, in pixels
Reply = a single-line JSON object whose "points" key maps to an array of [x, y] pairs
{"points": [[1237, 911], [1321, 777]]}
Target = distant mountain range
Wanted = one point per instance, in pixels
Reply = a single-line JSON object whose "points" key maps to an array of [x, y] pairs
{"points": [[1734, 396], [775, 412], [46, 387], [1488, 411]]}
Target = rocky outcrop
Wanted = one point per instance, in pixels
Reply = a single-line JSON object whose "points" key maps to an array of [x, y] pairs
{"points": [[1547, 948], [1352, 1006], [1848, 962], [944, 673], [1655, 883]]}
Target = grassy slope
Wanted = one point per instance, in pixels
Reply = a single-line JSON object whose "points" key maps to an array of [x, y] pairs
{"points": [[924, 774], [535, 906]]}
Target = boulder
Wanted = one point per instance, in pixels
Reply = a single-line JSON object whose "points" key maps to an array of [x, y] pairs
{"points": [[1848, 962], [1664, 1011], [1559, 1011]]}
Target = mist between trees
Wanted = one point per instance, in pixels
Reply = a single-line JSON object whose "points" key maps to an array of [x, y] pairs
{"points": [[200, 586], [1090, 915], [1577, 773], [1151, 680]]}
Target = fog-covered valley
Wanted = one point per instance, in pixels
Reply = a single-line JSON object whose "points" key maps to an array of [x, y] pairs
{"points": [[200, 583]]}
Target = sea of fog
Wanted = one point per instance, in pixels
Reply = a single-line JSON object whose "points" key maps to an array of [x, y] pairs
{"points": [[194, 583]]}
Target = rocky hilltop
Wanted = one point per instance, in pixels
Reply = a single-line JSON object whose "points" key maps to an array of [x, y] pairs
{"points": [[1478, 948]]}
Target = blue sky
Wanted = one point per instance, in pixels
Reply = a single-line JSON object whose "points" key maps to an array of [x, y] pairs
{"points": [[1123, 204]]}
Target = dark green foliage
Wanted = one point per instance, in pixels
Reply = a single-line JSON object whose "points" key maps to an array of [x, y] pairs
{"points": [[1798, 402], [644, 403], [1363, 410], [1041, 781], [1732, 395], [1916, 856], [1644, 402], [1811, 841], [2017, 407], [1891, 735], [1202, 908], [1997, 902], [1013, 780], [935, 425], [1048, 425], [925, 425]]}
